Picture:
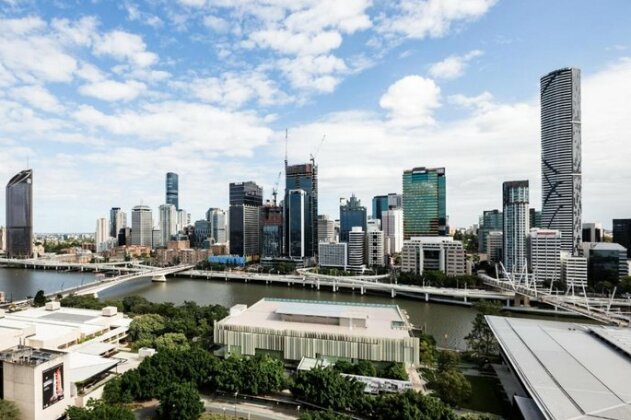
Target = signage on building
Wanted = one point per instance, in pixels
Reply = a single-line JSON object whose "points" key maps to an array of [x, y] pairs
{"points": [[53, 385]]}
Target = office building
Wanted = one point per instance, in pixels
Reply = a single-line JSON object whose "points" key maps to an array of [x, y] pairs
{"points": [[173, 190], [326, 229], [301, 328], [564, 370], [272, 231], [374, 248], [217, 217], [352, 214], [301, 177], [574, 271], [424, 202], [535, 218], [141, 226], [124, 236], [168, 223], [101, 235], [246, 199], [430, 253], [118, 220], [202, 234], [356, 247], [593, 232], [156, 238], [495, 246], [392, 226], [622, 234], [516, 225], [545, 255], [381, 203], [491, 220], [333, 254], [183, 220], [19, 214], [561, 156], [607, 262]]}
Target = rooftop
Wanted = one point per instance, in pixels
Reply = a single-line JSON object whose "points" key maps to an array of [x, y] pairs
{"points": [[571, 371], [28, 356]]}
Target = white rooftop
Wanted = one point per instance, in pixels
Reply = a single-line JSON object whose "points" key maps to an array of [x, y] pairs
{"points": [[383, 321], [571, 371]]}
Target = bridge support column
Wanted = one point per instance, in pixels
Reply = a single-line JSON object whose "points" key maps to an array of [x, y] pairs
{"points": [[361, 290], [426, 297], [465, 298], [393, 293], [507, 303], [318, 283], [521, 300]]}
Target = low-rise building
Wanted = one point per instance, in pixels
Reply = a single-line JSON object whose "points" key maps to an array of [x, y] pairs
{"points": [[494, 246], [545, 254], [332, 254], [438, 253], [574, 272]]}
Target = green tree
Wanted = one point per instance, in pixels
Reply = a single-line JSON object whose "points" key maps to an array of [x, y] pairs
{"points": [[113, 392], [427, 349], [395, 370], [327, 388], [365, 368], [180, 401], [99, 410], [9, 411], [146, 327], [322, 415], [39, 299], [481, 340], [452, 387], [411, 405], [447, 360], [172, 341]]}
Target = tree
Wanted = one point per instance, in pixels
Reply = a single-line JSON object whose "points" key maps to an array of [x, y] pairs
{"points": [[99, 410], [322, 415], [365, 368], [172, 341], [180, 401], [327, 388], [452, 387], [9, 411], [411, 405], [146, 327], [395, 370], [39, 299], [448, 360], [114, 392], [481, 340]]}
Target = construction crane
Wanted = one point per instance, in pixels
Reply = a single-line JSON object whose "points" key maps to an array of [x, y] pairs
{"points": [[275, 189], [317, 151]]}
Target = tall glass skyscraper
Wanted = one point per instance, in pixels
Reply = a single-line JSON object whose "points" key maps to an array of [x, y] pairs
{"points": [[19, 213], [516, 224], [302, 177], [271, 231], [561, 156], [246, 199], [296, 222], [424, 202], [172, 189], [352, 214]]}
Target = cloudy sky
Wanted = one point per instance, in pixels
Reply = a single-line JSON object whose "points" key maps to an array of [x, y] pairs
{"points": [[103, 97]]}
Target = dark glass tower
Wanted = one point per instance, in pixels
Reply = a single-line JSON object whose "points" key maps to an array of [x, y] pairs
{"points": [[246, 199], [19, 201], [302, 177], [622, 234], [516, 224], [352, 214], [172, 189], [561, 155], [424, 202]]}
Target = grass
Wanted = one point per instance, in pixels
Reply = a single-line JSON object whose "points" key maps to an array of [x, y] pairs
{"points": [[486, 396]]}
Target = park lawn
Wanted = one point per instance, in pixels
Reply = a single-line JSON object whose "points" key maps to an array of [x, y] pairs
{"points": [[486, 396]]}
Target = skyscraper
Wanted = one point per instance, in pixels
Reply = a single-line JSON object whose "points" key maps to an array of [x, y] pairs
{"points": [[622, 234], [424, 202], [356, 247], [168, 223], [271, 230], [545, 255], [101, 234], [561, 155], [491, 220], [217, 218], [246, 199], [19, 213], [381, 203], [303, 177], [352, 214], [141, 226], [295, 205], [516, 225], [392, 226], [172, 190], [118, 220]]}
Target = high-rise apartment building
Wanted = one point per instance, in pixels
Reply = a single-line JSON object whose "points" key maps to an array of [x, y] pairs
{"points": [[217, 218], [118, 220], [622, 234], [271, 231], [173, 190], [168, 223], [101, 235], [326, 229], [593, 232], [356, 247], [491, 220], [516, 225], [246, 199], [392, 226], [424, 202], [545, 255], [141, 226], [302, 177], [352, 214], [19, 214], [561, 155], [375, 248]]}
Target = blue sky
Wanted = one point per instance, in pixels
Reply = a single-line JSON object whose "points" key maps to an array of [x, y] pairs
{"points": [[104, 97]]}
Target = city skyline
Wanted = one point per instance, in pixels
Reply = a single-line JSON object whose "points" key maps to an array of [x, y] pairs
{"points": [[445, 94]]}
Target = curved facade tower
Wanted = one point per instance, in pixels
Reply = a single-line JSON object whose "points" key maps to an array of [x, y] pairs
{"points": [[561, 155], [172, 188], [20, 215]]}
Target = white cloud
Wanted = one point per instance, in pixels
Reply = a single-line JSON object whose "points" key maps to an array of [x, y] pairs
{"points": [[419, 19], [411, 101], [111, 90], [313, 73], [38, 97], [217, 24], [287, 42], [453, 66], [125, 46]]}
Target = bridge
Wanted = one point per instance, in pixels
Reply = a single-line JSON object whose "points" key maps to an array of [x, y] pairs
{"points": [[599, 309], [53, 263]]}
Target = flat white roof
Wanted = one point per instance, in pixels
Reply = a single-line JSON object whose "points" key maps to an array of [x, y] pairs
{"points": [[571, 371], [382, 321]]}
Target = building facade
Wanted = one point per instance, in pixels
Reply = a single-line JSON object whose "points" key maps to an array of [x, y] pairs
{"points": [[217, 217], [246, 199], [606, 262], [535, 218], [101, 235], [593, 232], [516, 225], [333, 254], [561, 207], [302, 177], [545, 255], [375, 256], [356, 247], [622, 234], [141, 226], [352, 214], [203, 236], [19, 214], [424, 202], [491, 220], [574, 271], [326, 229], [168, 223], [172, 190], [392, 226], [271, 231], [118, 220], [495, 246], [429, 253]]}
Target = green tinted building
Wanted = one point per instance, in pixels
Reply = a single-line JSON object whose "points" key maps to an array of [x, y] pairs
{"points": [[424, 202]]}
